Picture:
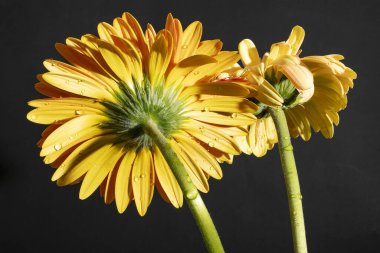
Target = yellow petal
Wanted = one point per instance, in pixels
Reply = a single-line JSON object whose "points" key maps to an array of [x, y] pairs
{"points": [[190, 40], [209, 47], [158, 60], [224, 104], [216, 88], [131, 57], [92, 49], [167, 180], [57, 114], [116, 61], [184, 67], [242, 141], [77, 58], [104, 164], [71, 131], [233, 119], [52, 91], [212, 137], [106, 30], [271, 130], [79, 102], [78, 85], [109, 188], [63, 68], [296, 38], [248, 52], [150, 35], [143, 180], [301, 78], [196, 174], [123, 185], [138, 33], [200, 156], [225, 60], [81, 160], [257, 138], [301, 124], [174, 26]]}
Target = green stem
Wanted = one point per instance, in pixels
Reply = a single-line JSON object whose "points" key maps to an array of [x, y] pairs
{"points": [[192, 196], [291, 180]]}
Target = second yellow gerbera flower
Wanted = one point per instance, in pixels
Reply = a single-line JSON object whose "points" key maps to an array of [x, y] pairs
{"points": [[311, 90]]}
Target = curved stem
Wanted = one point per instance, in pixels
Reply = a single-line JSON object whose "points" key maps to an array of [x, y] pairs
{"points": [[291, 180], [192, 196]]}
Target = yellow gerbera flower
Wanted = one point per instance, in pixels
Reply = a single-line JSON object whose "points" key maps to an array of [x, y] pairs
{"points": [[311, 90], [113, 85]]}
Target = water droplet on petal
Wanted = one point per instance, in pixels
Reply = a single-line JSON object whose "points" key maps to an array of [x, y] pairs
{"points": [[82, 92], [211, 144], [142, 176], [57, 146], [196, 72], [78, 112], [206, 109], [184, 46], [136, 178], [234, 115]]}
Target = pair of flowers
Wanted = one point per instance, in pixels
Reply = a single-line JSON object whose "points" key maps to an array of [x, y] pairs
{"points": [[207, 106]]}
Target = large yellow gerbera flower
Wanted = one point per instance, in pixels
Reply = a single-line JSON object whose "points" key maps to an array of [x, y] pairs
{"points": [[311, 90], [113, 85]]}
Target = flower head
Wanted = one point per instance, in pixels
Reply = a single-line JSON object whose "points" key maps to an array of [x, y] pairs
{"points": [[311, 90], [99, 102]]}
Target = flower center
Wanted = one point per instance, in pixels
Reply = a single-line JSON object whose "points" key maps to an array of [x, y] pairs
{"points": [[140, 103]]}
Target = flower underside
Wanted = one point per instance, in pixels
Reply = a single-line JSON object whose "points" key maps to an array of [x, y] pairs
{"points": [[136, 105], [286, 90]]}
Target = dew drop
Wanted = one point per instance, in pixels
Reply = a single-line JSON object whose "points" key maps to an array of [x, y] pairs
{"points": [[196, 73], [136, 178], [142, 176], [57, 146], [82, 92], [234, 115], [192, 195], [71, 137], [78, 112], [211, 144], [206, 109], [184, 46]]}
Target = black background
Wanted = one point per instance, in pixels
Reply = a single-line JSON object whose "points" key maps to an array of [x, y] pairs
{"points": [[339, 177]]}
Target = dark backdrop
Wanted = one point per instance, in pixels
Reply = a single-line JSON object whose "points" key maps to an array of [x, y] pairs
{"points": [[339, 177]]}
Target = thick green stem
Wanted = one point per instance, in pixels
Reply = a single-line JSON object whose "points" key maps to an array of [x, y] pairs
{"points": [[291, 180], [192, 196]]}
